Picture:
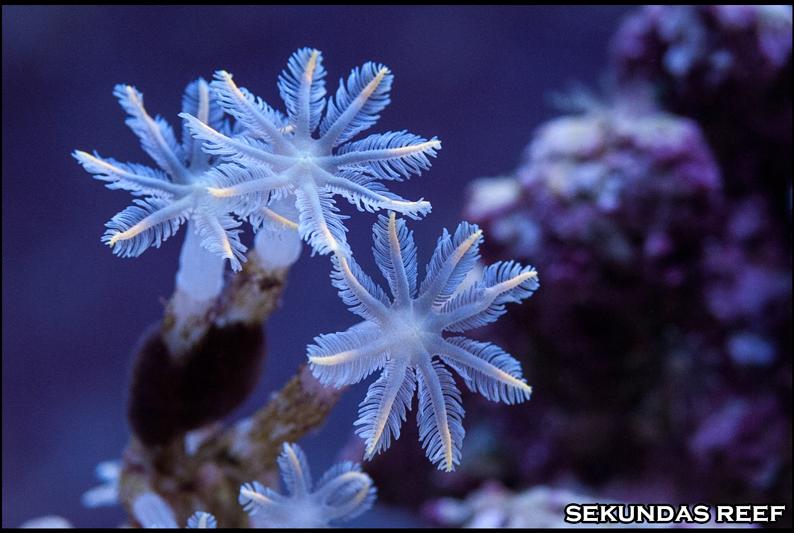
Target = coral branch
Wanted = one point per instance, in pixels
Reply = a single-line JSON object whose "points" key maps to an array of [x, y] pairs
{"points": [[220, 351], [210, 479], [300, 406], [204, 359]]}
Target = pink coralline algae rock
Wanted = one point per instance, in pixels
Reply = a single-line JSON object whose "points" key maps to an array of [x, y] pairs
{"points": [[729, 67], [666, 301]]}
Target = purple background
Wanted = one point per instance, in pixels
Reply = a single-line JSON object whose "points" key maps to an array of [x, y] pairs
{"points": [[477, 77]]}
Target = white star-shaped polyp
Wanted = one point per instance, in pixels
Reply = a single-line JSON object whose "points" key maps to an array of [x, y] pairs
{"points": [[344, 492], [277, 155], [405, 337], [176, 192]]}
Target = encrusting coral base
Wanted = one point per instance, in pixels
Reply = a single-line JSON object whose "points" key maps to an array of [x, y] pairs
{"points": [[179, 450]]}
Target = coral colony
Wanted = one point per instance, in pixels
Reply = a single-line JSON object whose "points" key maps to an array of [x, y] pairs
{"points": [[241, 160], [660, 217]]}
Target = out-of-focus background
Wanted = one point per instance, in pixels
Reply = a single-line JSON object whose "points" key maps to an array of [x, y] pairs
{"points": [[657, 344]]}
